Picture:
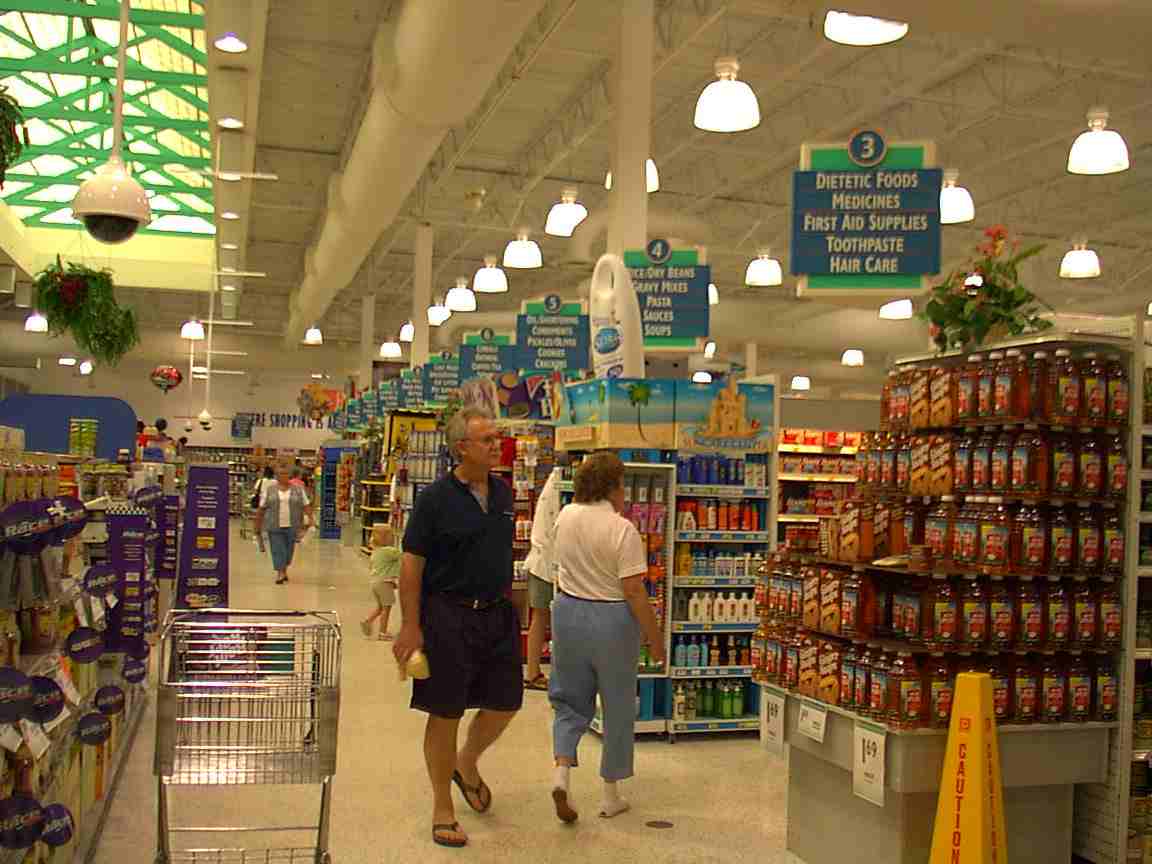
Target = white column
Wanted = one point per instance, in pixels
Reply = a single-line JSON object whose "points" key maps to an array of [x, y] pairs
{"points": [[751, 359], [628, 227], [421, 293], [367, 339]]}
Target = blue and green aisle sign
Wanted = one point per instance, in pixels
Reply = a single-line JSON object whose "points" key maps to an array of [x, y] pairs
{"points": [[441, 378], [487, 353], [387, 396], [412, 387], [865, 216], [672, 287], [552, 335], [368, 405]]}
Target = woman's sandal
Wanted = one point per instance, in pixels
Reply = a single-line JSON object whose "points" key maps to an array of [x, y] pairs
{"points": [[565, 812], [438, 832], [479, 797], [540, 682]]}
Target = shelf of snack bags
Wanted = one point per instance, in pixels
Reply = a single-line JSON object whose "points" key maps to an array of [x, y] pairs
{"points": [[818, 471]]}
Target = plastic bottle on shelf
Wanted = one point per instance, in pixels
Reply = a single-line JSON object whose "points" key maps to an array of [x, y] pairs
{"points": [[1111, 614], [987, 385], [1091, 465], [679, 652], [1029, 544], [679, 703], [850, 625], [1116, 374], [1030, 615], [1058, 607], [1115, 466], [886, 400], [903, 463], [1062, 539], [1089, 540], [943, 612], [1095, 388], [1079, 690], [1105, 688], [878, 693], [982, 461], [1029, 471], [734, 609], [1112, 551], [714, 658], [995, 531], [692, 707], [973, 613], [1053, 689], [1085, 614], [941, 689], [1000, 669], [1004, 386], [1001, 614], [967, 388], [962, 461], [967, 532], [939, 523], [906, 692], [694, 608], [1025, 689], [737, 700], [1065, 389], [1037, 392], [1000, 471], [1064, 463], [863, 683], [847, 694], [888, 462], [692, 652]]}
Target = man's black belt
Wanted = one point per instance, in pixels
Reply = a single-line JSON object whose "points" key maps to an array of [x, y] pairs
{"points": [[474, 602]]}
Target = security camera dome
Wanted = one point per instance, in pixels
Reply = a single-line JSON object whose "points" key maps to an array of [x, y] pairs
{"points": [[112, 205]]}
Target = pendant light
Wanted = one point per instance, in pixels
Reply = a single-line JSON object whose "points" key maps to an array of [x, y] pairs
{"points": [[204, 417], [764, 271], [407, 332], [955, 201], [845, 28], [651, 176], [1080, 262], [701, 377], [565, 215], [709, 350], [86, 367], [313, 336], [713, 294], [192, 330], [523, 253], [852, 357], [727, 104], [896, 310], [391, 350], [801, 382], [438, 313], [35, 323], [1098, 150], [490, 279], [461, 298], [111, 204]]}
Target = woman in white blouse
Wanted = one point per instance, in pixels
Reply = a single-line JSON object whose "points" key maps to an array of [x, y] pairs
{"points": [[600, 612]]}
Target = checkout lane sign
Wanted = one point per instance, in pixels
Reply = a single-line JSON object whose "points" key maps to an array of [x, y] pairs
{"points": [[865, 216]]}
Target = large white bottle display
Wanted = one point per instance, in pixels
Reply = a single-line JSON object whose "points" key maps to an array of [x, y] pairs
{"points": [[617, 334]]}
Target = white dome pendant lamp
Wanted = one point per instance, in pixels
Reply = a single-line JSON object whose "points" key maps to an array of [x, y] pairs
{"points": [[727, 104], [956, 203], [111, 204], [565, 215], [764, 271], [1098, 150], [407, 332], [523, 253], [438, 313], [651, 176], [461, 298], [1080, 262], [862, 31], [490, 279]]}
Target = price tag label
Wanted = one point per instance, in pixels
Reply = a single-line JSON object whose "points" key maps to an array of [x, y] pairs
{"points": [[813, 721], [772, 734], [868, 762], [9, 738], [35, 738]]}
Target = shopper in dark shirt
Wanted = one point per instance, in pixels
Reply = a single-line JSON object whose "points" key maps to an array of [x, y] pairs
{"points": [[454, 580]]}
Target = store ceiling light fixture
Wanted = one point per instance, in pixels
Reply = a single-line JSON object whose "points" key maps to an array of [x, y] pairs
{"points": [[192, 330], [896, 310], [229, 247], [651, 176], [764, 271], [956, 204], [713, 294], [67, 361], [727, 104], [461, 298], [490, 279], [801, 382], [1098, 150], [407, 332], [313, 336], [852, 357], [709, 350], [438, 313], [227, 286], [523, 253], [230, 215], [35, 323], [565, 214], [1080, 262], [199, 370], [86, 367], [230, 123], [230, 43], [862, 31], [391, 350], [701, 377]]}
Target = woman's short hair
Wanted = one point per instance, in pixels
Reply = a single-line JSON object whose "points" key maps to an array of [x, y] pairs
{"points": [[598, 477]]}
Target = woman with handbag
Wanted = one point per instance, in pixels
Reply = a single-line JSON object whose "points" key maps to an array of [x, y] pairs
{"points": [[282, 513], [266, 481]]}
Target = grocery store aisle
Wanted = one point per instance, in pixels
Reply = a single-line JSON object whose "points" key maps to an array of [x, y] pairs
{"points": [[724, 798]]}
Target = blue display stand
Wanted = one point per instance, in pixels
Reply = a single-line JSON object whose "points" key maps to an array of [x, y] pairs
{"points": [[44, 419]]}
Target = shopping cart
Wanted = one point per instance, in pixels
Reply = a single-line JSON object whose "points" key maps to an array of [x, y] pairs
{"points": [[247, 697]]}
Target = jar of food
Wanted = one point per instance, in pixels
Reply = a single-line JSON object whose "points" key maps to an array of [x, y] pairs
{"points": [[1085, 614], [973, 613], [1031, 551], [1065, 389], [939, 524], [986, 384], [1089, 540], [1091, 464], [962, 461], [1095, 389], [1116, 466], [1037, 395], [906, 692], [941, 688], [1113, 542], [1004, 398], [1116, 374], [1025, 689], [967, 388], [1111, 614], [1053, 689], [1000, 470], [1064, 462], [942, 387], [1062, 539], [944, 613], [1001, 614], [1029, 616], [1058, 606], [994, 536]]}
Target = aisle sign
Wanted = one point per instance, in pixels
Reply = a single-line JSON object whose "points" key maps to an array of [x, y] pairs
{"points": [[387, 396], [412, 387], [368, 405], [242, 426], [353, 420], [868, 740], [672, 288], [487, 353], [865, 216], [772, 727], [202, 581], [441, 378], [813, 721], [552, 335]]}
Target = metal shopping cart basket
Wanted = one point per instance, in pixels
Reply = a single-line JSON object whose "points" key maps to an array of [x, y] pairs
{"points": [[246, 697]]}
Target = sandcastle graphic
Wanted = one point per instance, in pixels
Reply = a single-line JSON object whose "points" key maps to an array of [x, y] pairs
{"points": [[728, 415]]}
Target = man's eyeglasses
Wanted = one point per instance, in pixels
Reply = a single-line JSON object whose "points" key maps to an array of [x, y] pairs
{"points": [[487, 441]]}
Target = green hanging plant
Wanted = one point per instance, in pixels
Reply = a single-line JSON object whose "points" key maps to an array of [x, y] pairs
{"points": [[12, 142], [79, 300]]}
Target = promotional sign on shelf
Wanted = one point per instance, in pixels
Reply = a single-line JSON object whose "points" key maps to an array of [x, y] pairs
{"points": [[203, 574], [129, 618], [732, 416], [672, 289], [868, 740], [552, 335], [865, 216], [772, 724], [617, 332]]}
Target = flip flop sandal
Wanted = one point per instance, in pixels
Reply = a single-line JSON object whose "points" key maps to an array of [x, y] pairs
{"points": [[439, 830], [540, 682], [564, 810], [479, 797]]}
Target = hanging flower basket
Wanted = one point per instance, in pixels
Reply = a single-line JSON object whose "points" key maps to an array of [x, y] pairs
{"points": [[13, 132], [984, 300], [81, 301]]}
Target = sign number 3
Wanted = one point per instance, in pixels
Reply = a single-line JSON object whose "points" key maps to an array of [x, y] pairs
{"points": [[867, 148]]}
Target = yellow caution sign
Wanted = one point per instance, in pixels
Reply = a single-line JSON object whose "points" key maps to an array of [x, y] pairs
{"points": [[969, 827]]}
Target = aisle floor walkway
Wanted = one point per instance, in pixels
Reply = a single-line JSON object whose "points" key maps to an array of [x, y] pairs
{"points": [[724, 797]]}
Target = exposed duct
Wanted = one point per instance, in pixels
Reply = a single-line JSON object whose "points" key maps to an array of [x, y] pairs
{"points": [[661, 223], [430, 71]]}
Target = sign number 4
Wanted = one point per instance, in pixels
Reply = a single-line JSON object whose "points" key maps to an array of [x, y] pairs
{"points": [[659, 251]]}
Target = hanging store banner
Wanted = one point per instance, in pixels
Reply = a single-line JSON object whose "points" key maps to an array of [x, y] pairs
{"points": [[672, 287], [487, 353], [552, 335], [203, 574], [865, 217], [441, 378]]}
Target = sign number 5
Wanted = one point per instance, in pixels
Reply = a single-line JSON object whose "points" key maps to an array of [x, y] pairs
{"points": [[867, 148]]}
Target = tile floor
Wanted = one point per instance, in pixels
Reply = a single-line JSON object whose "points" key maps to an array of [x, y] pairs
{"points": [[725, 797]]}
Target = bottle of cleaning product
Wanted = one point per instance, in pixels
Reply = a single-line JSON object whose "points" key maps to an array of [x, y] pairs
{"points": [[719, 609], [694, 607], [679, 703], [706, 608], [707, 692], [714, 652], [702, 657], [680, 653], [692, 655], [737, 700], [747, 608], [690, 699], [735, 609]]}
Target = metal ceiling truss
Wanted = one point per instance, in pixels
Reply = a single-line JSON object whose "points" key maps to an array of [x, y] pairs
{"points": [[166, 127]]}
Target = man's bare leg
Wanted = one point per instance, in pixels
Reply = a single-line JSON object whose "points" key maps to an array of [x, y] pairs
{"points": [[440, 756], [483, 731], [536, 632]]}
